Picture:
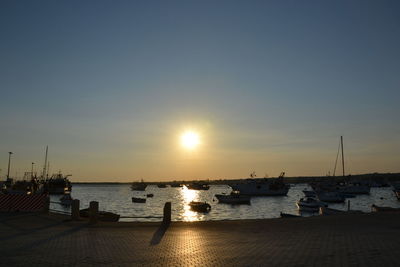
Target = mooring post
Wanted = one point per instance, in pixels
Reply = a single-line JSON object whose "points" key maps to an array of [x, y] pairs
{"points": [[167, 214], [75, 210], [348, 205], [46, 205], [93, 211]]}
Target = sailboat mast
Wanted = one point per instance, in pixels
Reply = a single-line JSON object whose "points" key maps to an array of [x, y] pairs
{"points": [[341, 142], [45, 163]]}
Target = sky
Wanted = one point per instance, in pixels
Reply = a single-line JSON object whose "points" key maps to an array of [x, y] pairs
{"points": [[269, 86]]}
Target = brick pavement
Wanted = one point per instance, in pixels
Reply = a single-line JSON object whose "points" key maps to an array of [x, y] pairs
{"points": [[349, 240]]}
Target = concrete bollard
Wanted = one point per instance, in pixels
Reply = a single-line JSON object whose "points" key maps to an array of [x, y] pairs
{"points": [[93, 211], [75, 210], [167, 214]]}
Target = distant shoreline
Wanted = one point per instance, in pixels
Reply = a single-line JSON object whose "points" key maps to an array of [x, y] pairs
{"points": [[389, 177]]}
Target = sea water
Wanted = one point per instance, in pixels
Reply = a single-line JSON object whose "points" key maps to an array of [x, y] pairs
{"points": [[117, 198]]}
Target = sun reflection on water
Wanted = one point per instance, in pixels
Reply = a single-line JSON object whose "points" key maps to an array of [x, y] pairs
{"points": [[189, 195]]}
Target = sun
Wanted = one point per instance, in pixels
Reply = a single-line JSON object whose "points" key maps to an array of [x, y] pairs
{"points": [[190, 140]]}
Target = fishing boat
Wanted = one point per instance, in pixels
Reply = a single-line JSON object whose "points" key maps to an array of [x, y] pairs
{"points": [[263, 187], [66, 200], [233, 198], [138, 200], [58, 184], [200, 206], [198, 186], [104, 216], [309, 204], [376, 208]]}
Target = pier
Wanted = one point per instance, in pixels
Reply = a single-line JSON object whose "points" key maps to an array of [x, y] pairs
{"points": [[39, 239]]}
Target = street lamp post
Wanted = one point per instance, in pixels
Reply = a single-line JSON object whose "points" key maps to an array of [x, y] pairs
{"points": [[9, 163], [33, 163]]}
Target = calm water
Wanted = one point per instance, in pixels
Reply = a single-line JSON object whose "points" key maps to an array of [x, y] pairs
{"points": [[117, 198]]}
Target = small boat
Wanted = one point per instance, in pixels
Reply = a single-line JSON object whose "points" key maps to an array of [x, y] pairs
{"points": [[138, 200], [288, 215], [103, 216], [309, 204], [200, 206], [150, 195], [162, 186], [66, 200], [234, 198], [376, 208], [175, 185]]}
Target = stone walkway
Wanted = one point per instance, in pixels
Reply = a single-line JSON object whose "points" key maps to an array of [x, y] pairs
{"points": [[346, 240]]}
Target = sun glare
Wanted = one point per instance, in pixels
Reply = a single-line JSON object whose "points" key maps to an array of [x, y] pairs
{"points": [[190, 140]]}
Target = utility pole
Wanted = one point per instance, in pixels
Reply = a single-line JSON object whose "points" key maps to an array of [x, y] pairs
{"points": [[9, 164]]}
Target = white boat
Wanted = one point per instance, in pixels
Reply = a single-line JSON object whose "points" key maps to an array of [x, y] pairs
{"points": [[309, 204], [66, 200], [264, 187], [234, 198]]}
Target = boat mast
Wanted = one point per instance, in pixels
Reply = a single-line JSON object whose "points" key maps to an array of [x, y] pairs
{"points": [[45, 163], [341, 142]]}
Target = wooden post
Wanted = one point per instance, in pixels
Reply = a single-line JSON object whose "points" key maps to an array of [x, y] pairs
{"points": [[46, 206], [93, 211], [167, 214], [75, 210]]}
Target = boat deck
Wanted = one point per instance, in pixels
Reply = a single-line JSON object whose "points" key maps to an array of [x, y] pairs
{"points": [[349, 240]]}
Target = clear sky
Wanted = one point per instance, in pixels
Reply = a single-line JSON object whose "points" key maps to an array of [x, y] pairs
{"points": [[268, 86]]}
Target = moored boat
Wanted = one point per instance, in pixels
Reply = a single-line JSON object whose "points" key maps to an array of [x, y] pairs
{"points": [[234, 198], [66, 200], [58, 184], [150, 195], [309, 204], [263, 187], [200, 206]]}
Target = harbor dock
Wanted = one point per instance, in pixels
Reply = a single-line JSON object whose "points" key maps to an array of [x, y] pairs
{"points": [[38, 239]]}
